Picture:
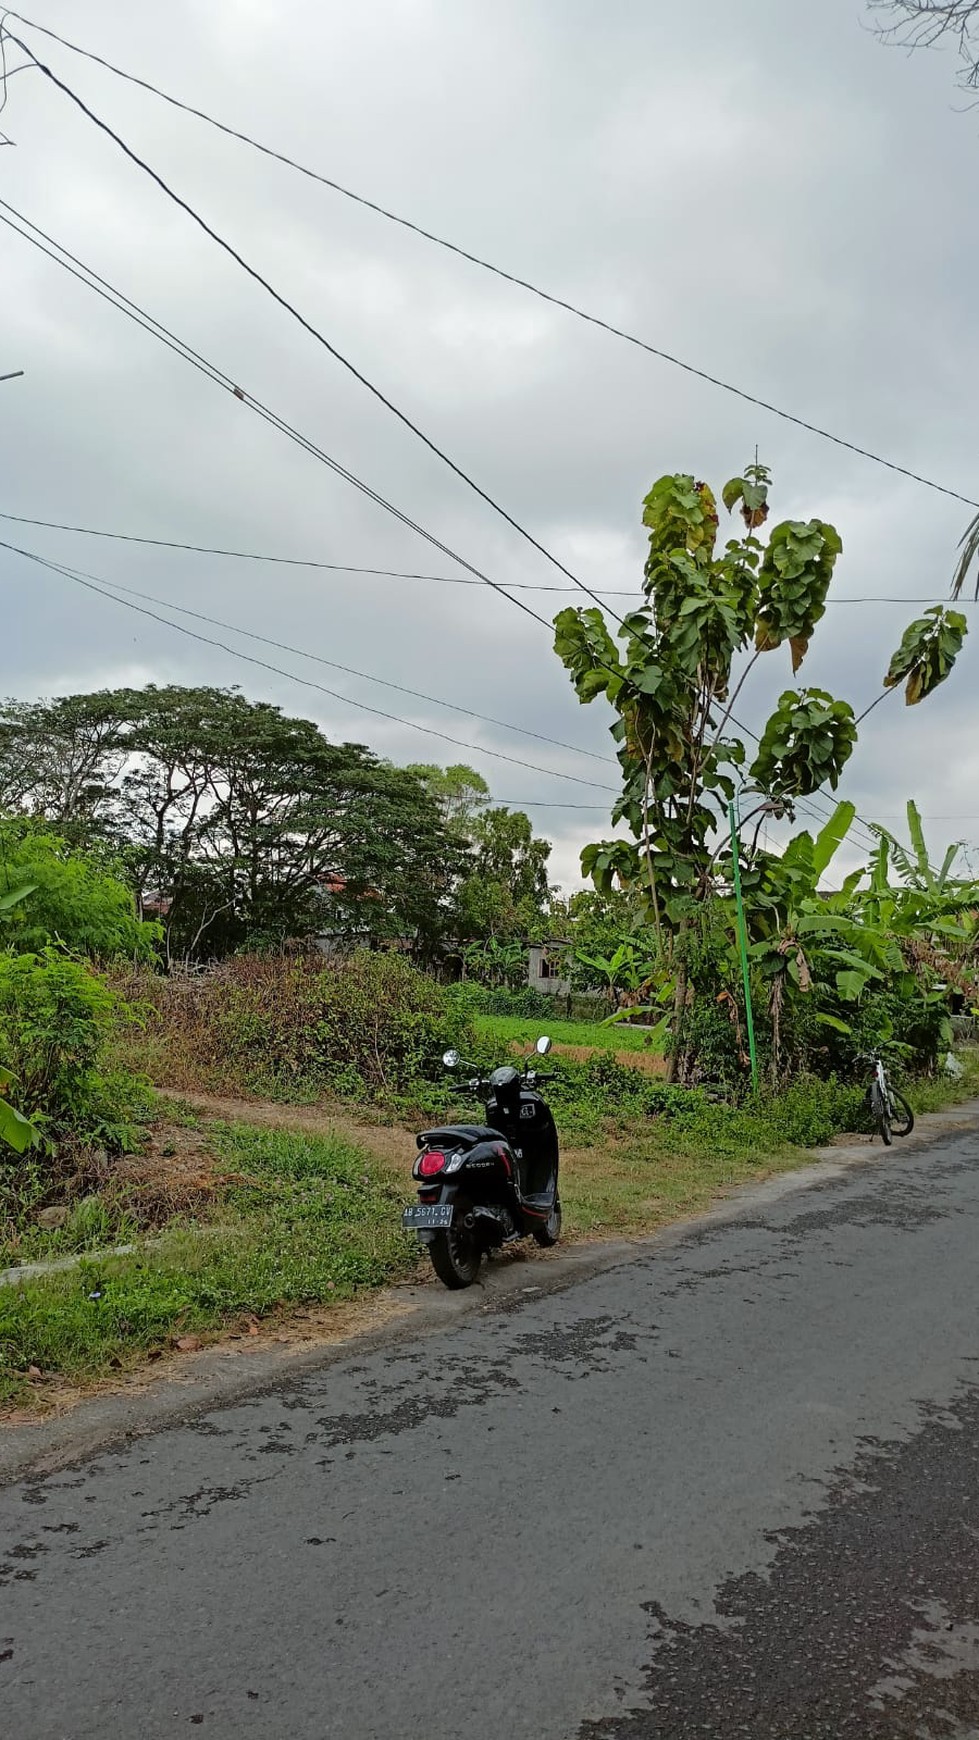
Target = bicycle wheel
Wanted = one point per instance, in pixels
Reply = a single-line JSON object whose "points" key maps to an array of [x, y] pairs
{"points": [[881, 1114], [902, 1117]]}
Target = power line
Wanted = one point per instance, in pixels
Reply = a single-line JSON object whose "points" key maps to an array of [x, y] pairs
{"points": [[488, 266], [807, 806], [286, 561], [292, 676], [379, 573], [316, 658], [117, 299], [88, 276], [307, 325]]}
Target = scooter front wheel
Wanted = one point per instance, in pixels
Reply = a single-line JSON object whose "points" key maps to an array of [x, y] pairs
{"points": [[550, 1232], [455, 1256]]}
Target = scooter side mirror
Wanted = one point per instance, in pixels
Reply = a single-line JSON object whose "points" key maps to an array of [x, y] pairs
{"points": [[543, 1045], [451, 1059]]}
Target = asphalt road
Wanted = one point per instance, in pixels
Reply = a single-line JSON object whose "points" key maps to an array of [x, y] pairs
{"points": [[728, 1488]]}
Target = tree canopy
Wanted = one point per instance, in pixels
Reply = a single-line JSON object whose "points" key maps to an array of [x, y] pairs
{"points": [[240, 826]]}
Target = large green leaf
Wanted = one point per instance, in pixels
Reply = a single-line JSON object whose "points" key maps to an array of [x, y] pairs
{"points": [[14, 896], [806, 744], [15, 1130], [793, 581], [851, 984], [831, 837], [928, 650], [585, 647]]}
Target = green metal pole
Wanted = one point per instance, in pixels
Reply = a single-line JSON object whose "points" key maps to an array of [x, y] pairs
{"points": [[743, 944]]}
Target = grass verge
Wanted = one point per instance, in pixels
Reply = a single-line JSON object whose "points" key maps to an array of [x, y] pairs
{"points": [[300, 1219]]}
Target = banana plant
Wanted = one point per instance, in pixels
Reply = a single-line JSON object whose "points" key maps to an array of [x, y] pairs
{"points": [[915, 868], [14, 896], [15, 1130], [806, 941]]}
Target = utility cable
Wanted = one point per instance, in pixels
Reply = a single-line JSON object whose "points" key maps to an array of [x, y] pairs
{"points": [[307, 325], [488, 266], [118, 300], [316, 658], [292, 676], [379, 573], [87, 275]]}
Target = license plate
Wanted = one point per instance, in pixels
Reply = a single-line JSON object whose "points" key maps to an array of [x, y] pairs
{"points": [[424, 1215]]}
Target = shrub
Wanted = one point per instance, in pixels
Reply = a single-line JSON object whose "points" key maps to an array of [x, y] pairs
{"points": [[912, 1029], [73, 900], [56, 1018], [366, 1025], [470, 998]]}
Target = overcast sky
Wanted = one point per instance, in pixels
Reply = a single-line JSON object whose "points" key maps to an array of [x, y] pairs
{"points": [[760, 188]]}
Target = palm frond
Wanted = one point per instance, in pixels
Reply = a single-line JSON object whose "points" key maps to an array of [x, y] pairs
{"points": [[969, 547]]}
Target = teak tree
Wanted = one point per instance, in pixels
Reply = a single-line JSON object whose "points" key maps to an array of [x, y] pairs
{"points": [[670, 683]]}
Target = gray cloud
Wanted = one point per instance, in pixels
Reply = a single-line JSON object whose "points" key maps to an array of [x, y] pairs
{"points": [[761, 189]]}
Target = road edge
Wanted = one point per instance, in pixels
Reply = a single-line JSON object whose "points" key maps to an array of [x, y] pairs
{"points": [[222, 1375]]}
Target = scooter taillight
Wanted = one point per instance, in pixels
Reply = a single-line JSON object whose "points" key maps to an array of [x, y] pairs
{"points": [[431, 1163]]}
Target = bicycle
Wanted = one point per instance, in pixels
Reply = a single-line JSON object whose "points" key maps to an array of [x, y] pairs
{"points": [[889, 1109]]}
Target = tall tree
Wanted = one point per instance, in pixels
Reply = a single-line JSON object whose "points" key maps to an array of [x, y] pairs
{"points": [[238, 823], [460, 792], [59, 759], [505, 892], [673, 689]]}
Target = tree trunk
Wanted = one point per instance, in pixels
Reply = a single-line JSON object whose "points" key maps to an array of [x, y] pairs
{"points": [[679, 1005]]}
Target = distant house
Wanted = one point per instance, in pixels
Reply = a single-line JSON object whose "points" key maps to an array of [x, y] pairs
{"points": [[341, 940], [153, 904], [544, 969]]}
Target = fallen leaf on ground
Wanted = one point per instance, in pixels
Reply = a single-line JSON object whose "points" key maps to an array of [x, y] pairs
{"points": [[34, 1371], [188, 1343]]}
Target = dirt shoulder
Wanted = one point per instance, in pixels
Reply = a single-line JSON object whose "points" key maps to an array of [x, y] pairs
{"points": [[391, 1143]]}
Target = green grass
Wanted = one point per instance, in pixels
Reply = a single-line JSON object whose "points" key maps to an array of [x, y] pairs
{"points": [[935, 1095], [304, 1218], [506, 1030], [643, 1182], [307, 1219]]}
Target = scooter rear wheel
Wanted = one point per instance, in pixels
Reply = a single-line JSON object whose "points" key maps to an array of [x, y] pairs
{"points": [[548, 1234], [455, 1256]]}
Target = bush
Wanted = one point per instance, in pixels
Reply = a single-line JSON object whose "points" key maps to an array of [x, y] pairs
{"points": [[526, 1004], [911, 1030], [56, 1018], [73, 900], [367, 1025]]}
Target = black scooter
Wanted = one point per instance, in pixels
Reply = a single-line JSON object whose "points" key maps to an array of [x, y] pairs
{"points": [[484, 1185]]}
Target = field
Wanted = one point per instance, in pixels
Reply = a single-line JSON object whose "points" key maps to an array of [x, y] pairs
{"points": [[578, 1039]]}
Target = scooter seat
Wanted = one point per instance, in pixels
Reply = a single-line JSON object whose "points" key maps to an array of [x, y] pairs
{"points": [[458, 1136]]}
